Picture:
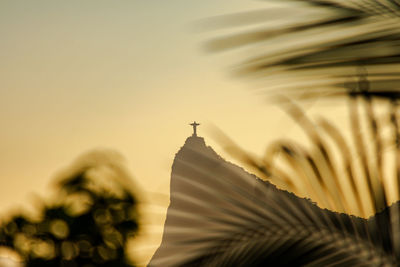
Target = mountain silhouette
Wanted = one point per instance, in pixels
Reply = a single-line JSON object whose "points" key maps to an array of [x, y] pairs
{"points": [[221, 215]]}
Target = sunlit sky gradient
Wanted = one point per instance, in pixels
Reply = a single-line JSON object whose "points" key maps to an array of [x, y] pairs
{"points": [[125, 75]]}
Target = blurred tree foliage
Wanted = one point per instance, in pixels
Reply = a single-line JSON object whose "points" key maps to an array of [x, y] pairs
{"points": [[88, 224]]}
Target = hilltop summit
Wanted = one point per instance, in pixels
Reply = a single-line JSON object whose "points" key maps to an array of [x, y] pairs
{"points": [[218, 211], [196, 143]]}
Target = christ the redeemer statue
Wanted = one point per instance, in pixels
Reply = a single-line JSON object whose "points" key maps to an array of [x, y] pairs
{"points": [[194, 124]]}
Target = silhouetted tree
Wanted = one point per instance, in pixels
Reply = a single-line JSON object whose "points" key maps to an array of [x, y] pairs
{"points": [[88, 224]]}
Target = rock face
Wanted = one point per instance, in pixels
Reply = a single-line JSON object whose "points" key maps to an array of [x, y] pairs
{"points": [[220, 215], [198, 177]]}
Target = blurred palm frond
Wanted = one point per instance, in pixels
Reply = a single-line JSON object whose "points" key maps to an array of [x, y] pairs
{"points": [[356, 174], [220, 215], [317, 47]]}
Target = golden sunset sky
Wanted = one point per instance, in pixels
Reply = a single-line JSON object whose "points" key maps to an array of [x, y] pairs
{"points": [[126, 75]]}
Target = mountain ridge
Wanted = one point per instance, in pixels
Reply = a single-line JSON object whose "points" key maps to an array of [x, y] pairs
{"points": [[211, 197]]}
